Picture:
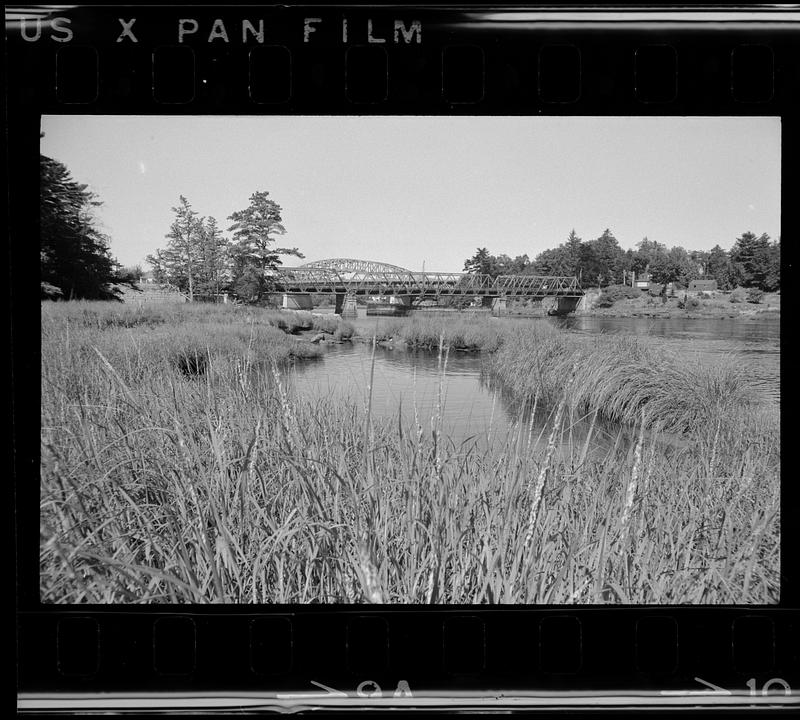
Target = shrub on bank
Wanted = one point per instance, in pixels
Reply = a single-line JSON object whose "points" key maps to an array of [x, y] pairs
{"points": [[754, 295], [615, 293], [739, 295]]}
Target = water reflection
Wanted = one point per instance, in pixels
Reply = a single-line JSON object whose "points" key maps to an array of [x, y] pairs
{"points": [[411, 384]]}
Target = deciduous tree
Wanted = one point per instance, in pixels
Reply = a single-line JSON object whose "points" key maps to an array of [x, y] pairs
{"points": [[675, 266], [647, 252], [720, 268]]}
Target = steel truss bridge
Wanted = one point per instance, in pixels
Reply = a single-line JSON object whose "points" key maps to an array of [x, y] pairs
{"points": [[365, 277]]}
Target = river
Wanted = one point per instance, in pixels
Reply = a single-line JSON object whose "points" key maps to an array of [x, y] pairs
{"points": [[409, 382]]}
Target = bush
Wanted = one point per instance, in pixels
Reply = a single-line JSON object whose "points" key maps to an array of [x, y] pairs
{"points": [[688, 303], [614, 293], [738, 296], [754, 295]]}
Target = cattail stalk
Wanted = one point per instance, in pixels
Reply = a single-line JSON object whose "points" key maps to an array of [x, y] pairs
{"points": [[630, 494]]}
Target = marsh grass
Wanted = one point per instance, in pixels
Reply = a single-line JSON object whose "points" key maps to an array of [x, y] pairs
{"points": [[426, 331], [105, 315], [626, 378], [158, 486]]}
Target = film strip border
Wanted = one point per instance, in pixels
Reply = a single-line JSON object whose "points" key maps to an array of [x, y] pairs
{"points": [[428, 62], [209, 60], [723, 653]]}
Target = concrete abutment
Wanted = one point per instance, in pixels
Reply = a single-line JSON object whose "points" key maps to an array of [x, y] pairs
{"points": [[346, 305]]}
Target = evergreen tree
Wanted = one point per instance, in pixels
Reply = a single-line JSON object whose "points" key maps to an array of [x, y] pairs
{"points": [[480, 263], [603, 261], [254, 231], [74, 254], [566, 259], [179, 263], [212, 270], [753, 260], [573, 249], [772, 277]]}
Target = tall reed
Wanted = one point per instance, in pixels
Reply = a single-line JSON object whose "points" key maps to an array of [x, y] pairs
{"points": [[225, 486]]}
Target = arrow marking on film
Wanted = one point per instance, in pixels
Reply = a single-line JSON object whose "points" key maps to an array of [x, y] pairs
{"points": [[715, 688], [330, 690]]}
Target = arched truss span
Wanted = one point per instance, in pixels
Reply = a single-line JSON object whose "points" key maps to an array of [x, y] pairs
{"points": [[347, 265]]}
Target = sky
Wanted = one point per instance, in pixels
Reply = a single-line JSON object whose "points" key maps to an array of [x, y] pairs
{"points": [[428, 191]]}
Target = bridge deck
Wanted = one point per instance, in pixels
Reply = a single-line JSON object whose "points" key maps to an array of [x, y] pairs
{"points": [[327, 280]]}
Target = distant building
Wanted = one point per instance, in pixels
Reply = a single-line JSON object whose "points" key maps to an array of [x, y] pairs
{"points": [[151, 293], [645, 283], [642, 281], [702, 285]]}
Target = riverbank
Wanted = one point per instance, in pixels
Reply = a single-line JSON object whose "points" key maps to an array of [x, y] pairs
{"points": [[167, 482], [692, 306], [708, 305]]}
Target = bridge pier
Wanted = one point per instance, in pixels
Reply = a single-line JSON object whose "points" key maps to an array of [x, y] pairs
{"points": [[497, 304], [297, 301], [564, 305], [346, 305]]}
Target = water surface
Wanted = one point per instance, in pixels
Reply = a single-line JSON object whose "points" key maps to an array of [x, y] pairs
{"points": [[411, 386]]}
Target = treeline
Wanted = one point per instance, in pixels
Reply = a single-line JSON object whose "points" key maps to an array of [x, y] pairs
{"points": [[200, 260], [75, 262], [753, 261]]}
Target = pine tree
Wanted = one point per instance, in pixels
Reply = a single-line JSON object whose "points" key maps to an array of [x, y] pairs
{"points": [[178, 264], [212, 266], [74, 254], [573, 249], [603, 260], [254, 259], [480, 263], [753, 261]]}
